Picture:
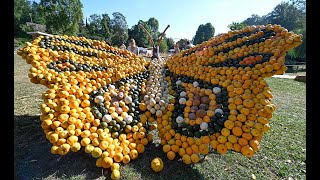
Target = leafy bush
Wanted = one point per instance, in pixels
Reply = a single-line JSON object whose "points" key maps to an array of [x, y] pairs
{"points": [[21, 41]]}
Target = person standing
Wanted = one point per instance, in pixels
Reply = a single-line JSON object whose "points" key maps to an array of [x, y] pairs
{"points": [[132, 47], [188, 44], [123, 46], [176, 48]]}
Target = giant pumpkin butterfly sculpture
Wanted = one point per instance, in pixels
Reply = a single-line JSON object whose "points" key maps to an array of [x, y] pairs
{"points": [[211, 97]]}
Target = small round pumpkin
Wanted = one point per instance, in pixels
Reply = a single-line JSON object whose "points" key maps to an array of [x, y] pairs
{"points": [[179, 119], [157, 164], [201, 113]]}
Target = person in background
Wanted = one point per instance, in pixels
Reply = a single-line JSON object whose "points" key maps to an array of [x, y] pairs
{"points": [[188, 44], [176, 48], [132, 47], [123, 46]]}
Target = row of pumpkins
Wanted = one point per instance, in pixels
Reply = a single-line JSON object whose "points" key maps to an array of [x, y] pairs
{"points": [[211, 97]]}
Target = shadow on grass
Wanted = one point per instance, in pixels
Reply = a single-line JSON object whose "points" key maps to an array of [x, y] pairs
{"points": [[175, 169], [33, 159]]}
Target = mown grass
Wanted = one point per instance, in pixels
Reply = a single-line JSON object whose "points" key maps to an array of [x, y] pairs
{"points": [[282, 154]]}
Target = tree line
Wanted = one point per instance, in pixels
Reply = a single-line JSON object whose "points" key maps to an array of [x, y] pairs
{"points": [[66, 17], [291, 15]]}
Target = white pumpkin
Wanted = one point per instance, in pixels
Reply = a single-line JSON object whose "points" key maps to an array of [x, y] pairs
{"points": [[152, 96], [152, 102], [179, 119], [98, 99], [157, 106], [204, 126], [128, 119], [178, 82], [216, 90], [128, 100], [163, 108], [106, 118], [183, 94], [153, 110], [195, 84], [182, 101], [157, 99], [111, 87], [149, 107], [218, 110], [161, 102], [158, 113], [146, 98]]}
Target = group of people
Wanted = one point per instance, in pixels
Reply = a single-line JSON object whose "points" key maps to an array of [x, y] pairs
{"points": [[135, 49], [187, 46]]}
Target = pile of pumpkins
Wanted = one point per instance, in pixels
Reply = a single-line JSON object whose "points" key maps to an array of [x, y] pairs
{"points": [[222, 101], [93, 97], [211, 97]]}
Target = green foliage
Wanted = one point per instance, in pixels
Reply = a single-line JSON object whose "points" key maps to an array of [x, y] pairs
{"points": [[36, 14], [21, 41], [62, 17], [119, 29], [299, 4], [292, 53], [236, 26], [292, 16], [170, 43], [95, 25], [300, 51], [139, 35], [163, 47], [182, 43], [287, 15], [153, 24], [254, 19], [204, 33], [106, 26], [22, 9]]}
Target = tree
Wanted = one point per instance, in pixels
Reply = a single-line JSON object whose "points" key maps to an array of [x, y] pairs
{"points": [[163, 47], [170, 43], [21, 16], [62, 17], [106, 27], [139, 35], [153, 24], [300, 51], [182, 43], [119, 29], [204, 33], [254, 19], [36, 14], [95, 25], [287, 15], [82, 27], [299, 4], [236, 26]]}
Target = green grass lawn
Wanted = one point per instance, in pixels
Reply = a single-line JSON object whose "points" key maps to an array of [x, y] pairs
{"points": [[282, 154]]}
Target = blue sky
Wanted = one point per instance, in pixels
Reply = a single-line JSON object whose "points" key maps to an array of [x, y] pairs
{"points": [[183, 16]]}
